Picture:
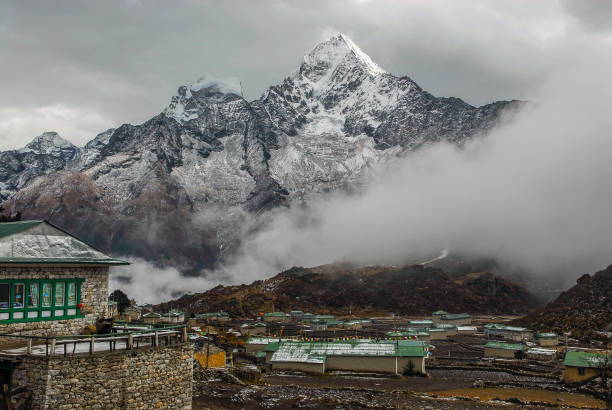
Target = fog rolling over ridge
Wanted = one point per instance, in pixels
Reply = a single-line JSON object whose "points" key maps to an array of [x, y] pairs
{"points": [[535, 194]]}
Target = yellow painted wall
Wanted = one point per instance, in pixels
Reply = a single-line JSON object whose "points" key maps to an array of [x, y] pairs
{"points": [[214, 360]]}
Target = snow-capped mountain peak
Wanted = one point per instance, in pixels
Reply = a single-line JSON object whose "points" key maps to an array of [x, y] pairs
{"points": [[326, 56], [48, 143]]}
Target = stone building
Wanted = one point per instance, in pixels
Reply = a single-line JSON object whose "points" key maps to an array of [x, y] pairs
{"points": [[53, 288], [50, 282]]}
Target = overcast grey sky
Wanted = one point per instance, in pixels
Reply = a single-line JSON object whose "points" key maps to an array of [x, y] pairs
{"points": [[79, 67]]}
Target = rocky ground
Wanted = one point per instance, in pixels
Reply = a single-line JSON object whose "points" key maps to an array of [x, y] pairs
{"points": [[443, 389]]}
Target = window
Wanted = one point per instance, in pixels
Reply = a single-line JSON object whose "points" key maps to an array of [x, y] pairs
{"points": [[72, 296], [23, 300], [59, 293], [46, 294], [19, 295], [5, 295], [33, 295], [581, 371]]}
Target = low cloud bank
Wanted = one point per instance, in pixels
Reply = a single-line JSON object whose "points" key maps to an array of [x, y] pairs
{"points": [[535, 194]]}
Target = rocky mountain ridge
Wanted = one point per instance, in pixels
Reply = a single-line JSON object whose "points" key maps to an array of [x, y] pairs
{"points": [[585, 309], [325, 128], [375, 290]]}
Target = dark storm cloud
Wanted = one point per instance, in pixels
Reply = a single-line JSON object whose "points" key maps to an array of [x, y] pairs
{"points": [[80, 67]]}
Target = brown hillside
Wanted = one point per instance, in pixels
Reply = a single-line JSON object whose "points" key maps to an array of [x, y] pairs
{"points": [[584, 309], [342, 289]]}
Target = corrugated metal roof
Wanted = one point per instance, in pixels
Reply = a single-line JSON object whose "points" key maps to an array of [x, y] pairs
{"points": [[40, 242], [10, 228], [586, 359], [298, 351], [80, 261], [506, 346]]}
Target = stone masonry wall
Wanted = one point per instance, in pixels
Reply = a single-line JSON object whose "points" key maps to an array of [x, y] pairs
{"points": [[146, 378], [94, 297]]}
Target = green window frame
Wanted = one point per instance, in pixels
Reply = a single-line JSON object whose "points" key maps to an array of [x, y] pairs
{"points": [[32, 300]]}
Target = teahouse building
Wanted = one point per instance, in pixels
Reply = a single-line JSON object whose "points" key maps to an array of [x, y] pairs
{"points": [[49, 280], [53, 285]]}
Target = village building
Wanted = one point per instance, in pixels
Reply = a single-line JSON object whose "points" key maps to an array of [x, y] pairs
{"points": [[151, 318], [451, 330], [296, 315], [387, 356], [503, 350], [582, 366], [253, 329], [423, 324], [132, 314], [466, 330], [53, 285], [457, 319], [214, 316], [174, 316], [112, 310], [543, 355], [437, 334], [255, 345], [318, 325], [307, 317], [437, 315], [276, 317], [547, 339], [500, 331]]}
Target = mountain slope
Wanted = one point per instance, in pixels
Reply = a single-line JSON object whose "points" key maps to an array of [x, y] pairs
{"points": [[323, 129], [583, 309], [339, 288]]}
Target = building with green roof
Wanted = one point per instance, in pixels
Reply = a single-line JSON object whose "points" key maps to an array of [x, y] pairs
{"points": [[582, 366], [276, 317], [356, 355], [457, 319], [50, 281], [502, 349], [547, 338]]}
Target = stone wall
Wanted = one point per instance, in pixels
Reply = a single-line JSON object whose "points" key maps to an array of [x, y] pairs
{"points": [[146, 378], [94, 297]]}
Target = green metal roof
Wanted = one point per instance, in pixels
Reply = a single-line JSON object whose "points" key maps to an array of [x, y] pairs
{"points": [[445, 326], [315, 352], [548, 335], [586, 359], [439, 312], [10, 228], [455, 316], [275, 314], [506, 346]]}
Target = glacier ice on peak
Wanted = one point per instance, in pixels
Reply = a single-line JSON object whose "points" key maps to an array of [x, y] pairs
{"points": [[226, 85]]}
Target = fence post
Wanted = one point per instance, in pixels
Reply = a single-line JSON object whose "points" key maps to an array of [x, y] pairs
{"points": [[156, 339], [53, 347], [91, 345], [130, 341], [29, 346], [184, 334]]}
